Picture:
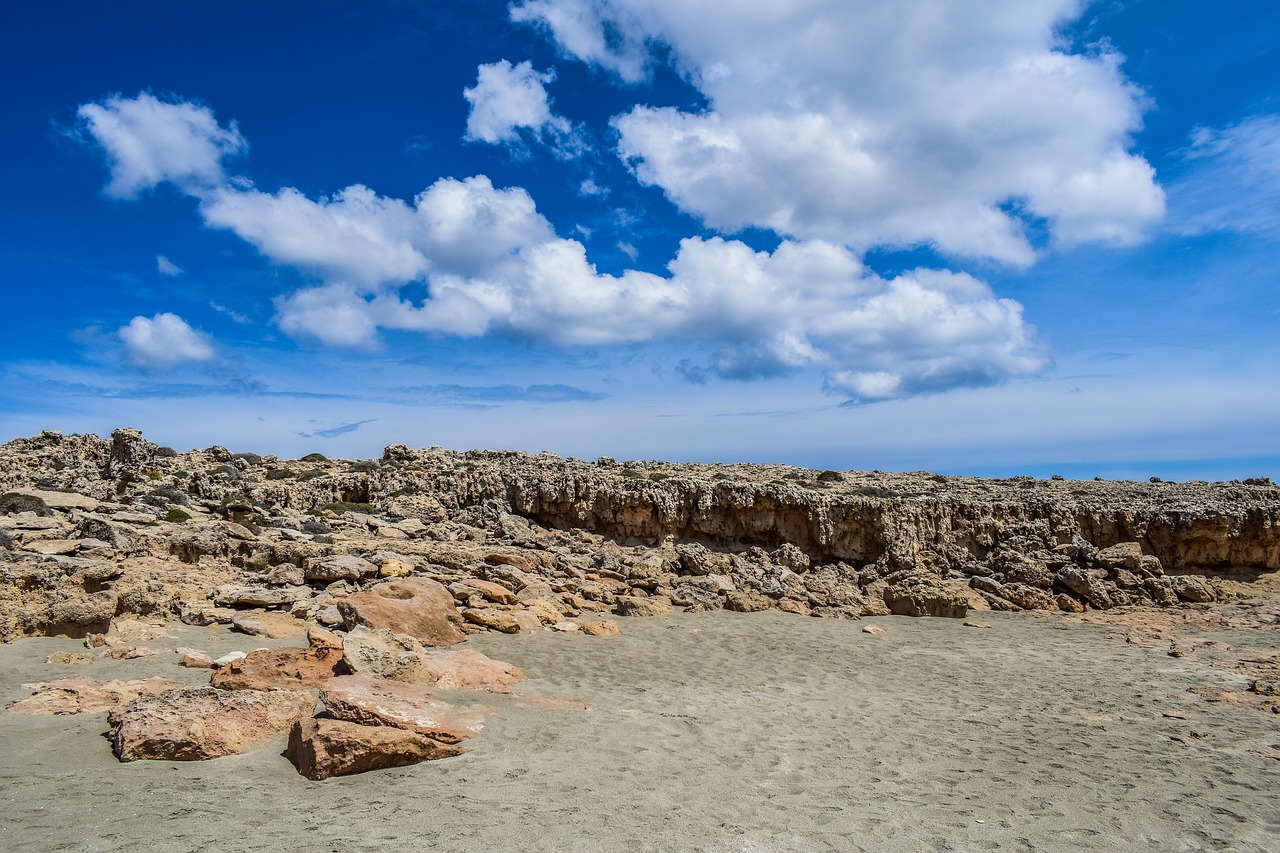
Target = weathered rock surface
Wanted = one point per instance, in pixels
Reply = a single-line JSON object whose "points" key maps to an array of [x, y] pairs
{"points": [[420, 607], [91, 529], [377, 702], [83, 695], [284, 669], [383, 654], [198, 723], [322, 749]]}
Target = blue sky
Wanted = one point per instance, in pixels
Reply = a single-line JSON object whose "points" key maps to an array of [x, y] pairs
{"points": [[978, 236]]}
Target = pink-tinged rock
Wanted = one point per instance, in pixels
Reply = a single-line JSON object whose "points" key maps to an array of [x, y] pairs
{"points": [[284, 669], [321, 749], [419, 607], [383, 654], [197, 723], [495, 592], [83, 695], [377, 702]]}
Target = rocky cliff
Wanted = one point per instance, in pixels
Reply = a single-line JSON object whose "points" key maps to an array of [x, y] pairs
{"points": [[132, 527]]}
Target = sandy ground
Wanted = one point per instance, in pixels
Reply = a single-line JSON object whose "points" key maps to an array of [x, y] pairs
{"points": [[716, 732]]}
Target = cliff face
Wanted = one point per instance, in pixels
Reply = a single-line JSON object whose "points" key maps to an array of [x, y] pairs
{"points": [[830, 543]]}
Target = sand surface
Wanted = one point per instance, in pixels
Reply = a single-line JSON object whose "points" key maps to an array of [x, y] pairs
{"points": [[716, 732]]}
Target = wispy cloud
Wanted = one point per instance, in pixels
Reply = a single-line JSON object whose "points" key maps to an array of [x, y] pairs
{"points": [[166, 267], [334, 432]]}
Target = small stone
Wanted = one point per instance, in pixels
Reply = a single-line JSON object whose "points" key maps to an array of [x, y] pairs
{"points": [[69, 658], [262, 623], [193, 659], [566, 627], [228, 658], [873, 630], [395, 569], [973, 623]]}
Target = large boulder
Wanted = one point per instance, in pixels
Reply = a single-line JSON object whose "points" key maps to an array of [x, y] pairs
{"points": [[321, 748], [419, 607], [197, 723], [1190, 588], [377, 702], [285, 669], [926, 595], [399, 657], [1085, 585]]}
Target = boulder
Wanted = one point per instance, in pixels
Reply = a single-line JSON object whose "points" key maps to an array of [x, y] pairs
{"points": [[263, 623], [600, 628], [1124, 555], [419, 607], [747, 601], [630, 605], [1085, 585], [83, 695], [506, 621], [1190, 588], [339, 567], [285, 669], [927, 595], [489, 590], [197, 723], [377, 702], [238, 595], [1028, 597], [321, 749], [383, 654]]}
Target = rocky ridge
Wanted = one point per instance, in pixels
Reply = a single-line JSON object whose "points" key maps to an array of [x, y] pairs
{"points": [[91, 529]]}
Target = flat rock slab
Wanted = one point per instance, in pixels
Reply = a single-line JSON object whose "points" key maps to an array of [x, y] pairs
{"points": [[83, 695], [383, 654], [377, 702], [419, 607], [321, 749], [262, 623], [284, 669], [339, 567], [198, 723]]}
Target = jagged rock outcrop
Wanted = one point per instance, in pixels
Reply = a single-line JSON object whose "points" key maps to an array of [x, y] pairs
{"points": [[93, 528]]}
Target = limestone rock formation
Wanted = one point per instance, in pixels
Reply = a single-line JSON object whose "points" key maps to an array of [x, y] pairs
{"points": [[322, 748], [376, 702], [198, 723], [419, 607]]}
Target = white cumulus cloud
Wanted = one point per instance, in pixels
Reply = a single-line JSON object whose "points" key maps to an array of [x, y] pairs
{"points": [[163, 341], [492, 264], [948, 123], [510, 98], [149, 141]]}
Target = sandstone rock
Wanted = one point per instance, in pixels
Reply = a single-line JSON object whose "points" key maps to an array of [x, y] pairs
{"points": [[228, 658], [284, 669], [601, 628], [419, 607], [1067, 604], [873, 630], [197, 723], [926, 595], [1086, 586], [629, 605], [1125, 555], [83, 695], [377, 702], [383, 654], [53, 547], [236, 595], [46, 500], [747, 601], [395, 569], [202, 613], [546, 612], [339, 567], [262, 623], [1028, 597], [285, 574], [494, 592], [791, 605], [194, 659], [1190, 588], [1161, 591], [69, 658], [568, 626], [506, 621], [321, 749]]}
